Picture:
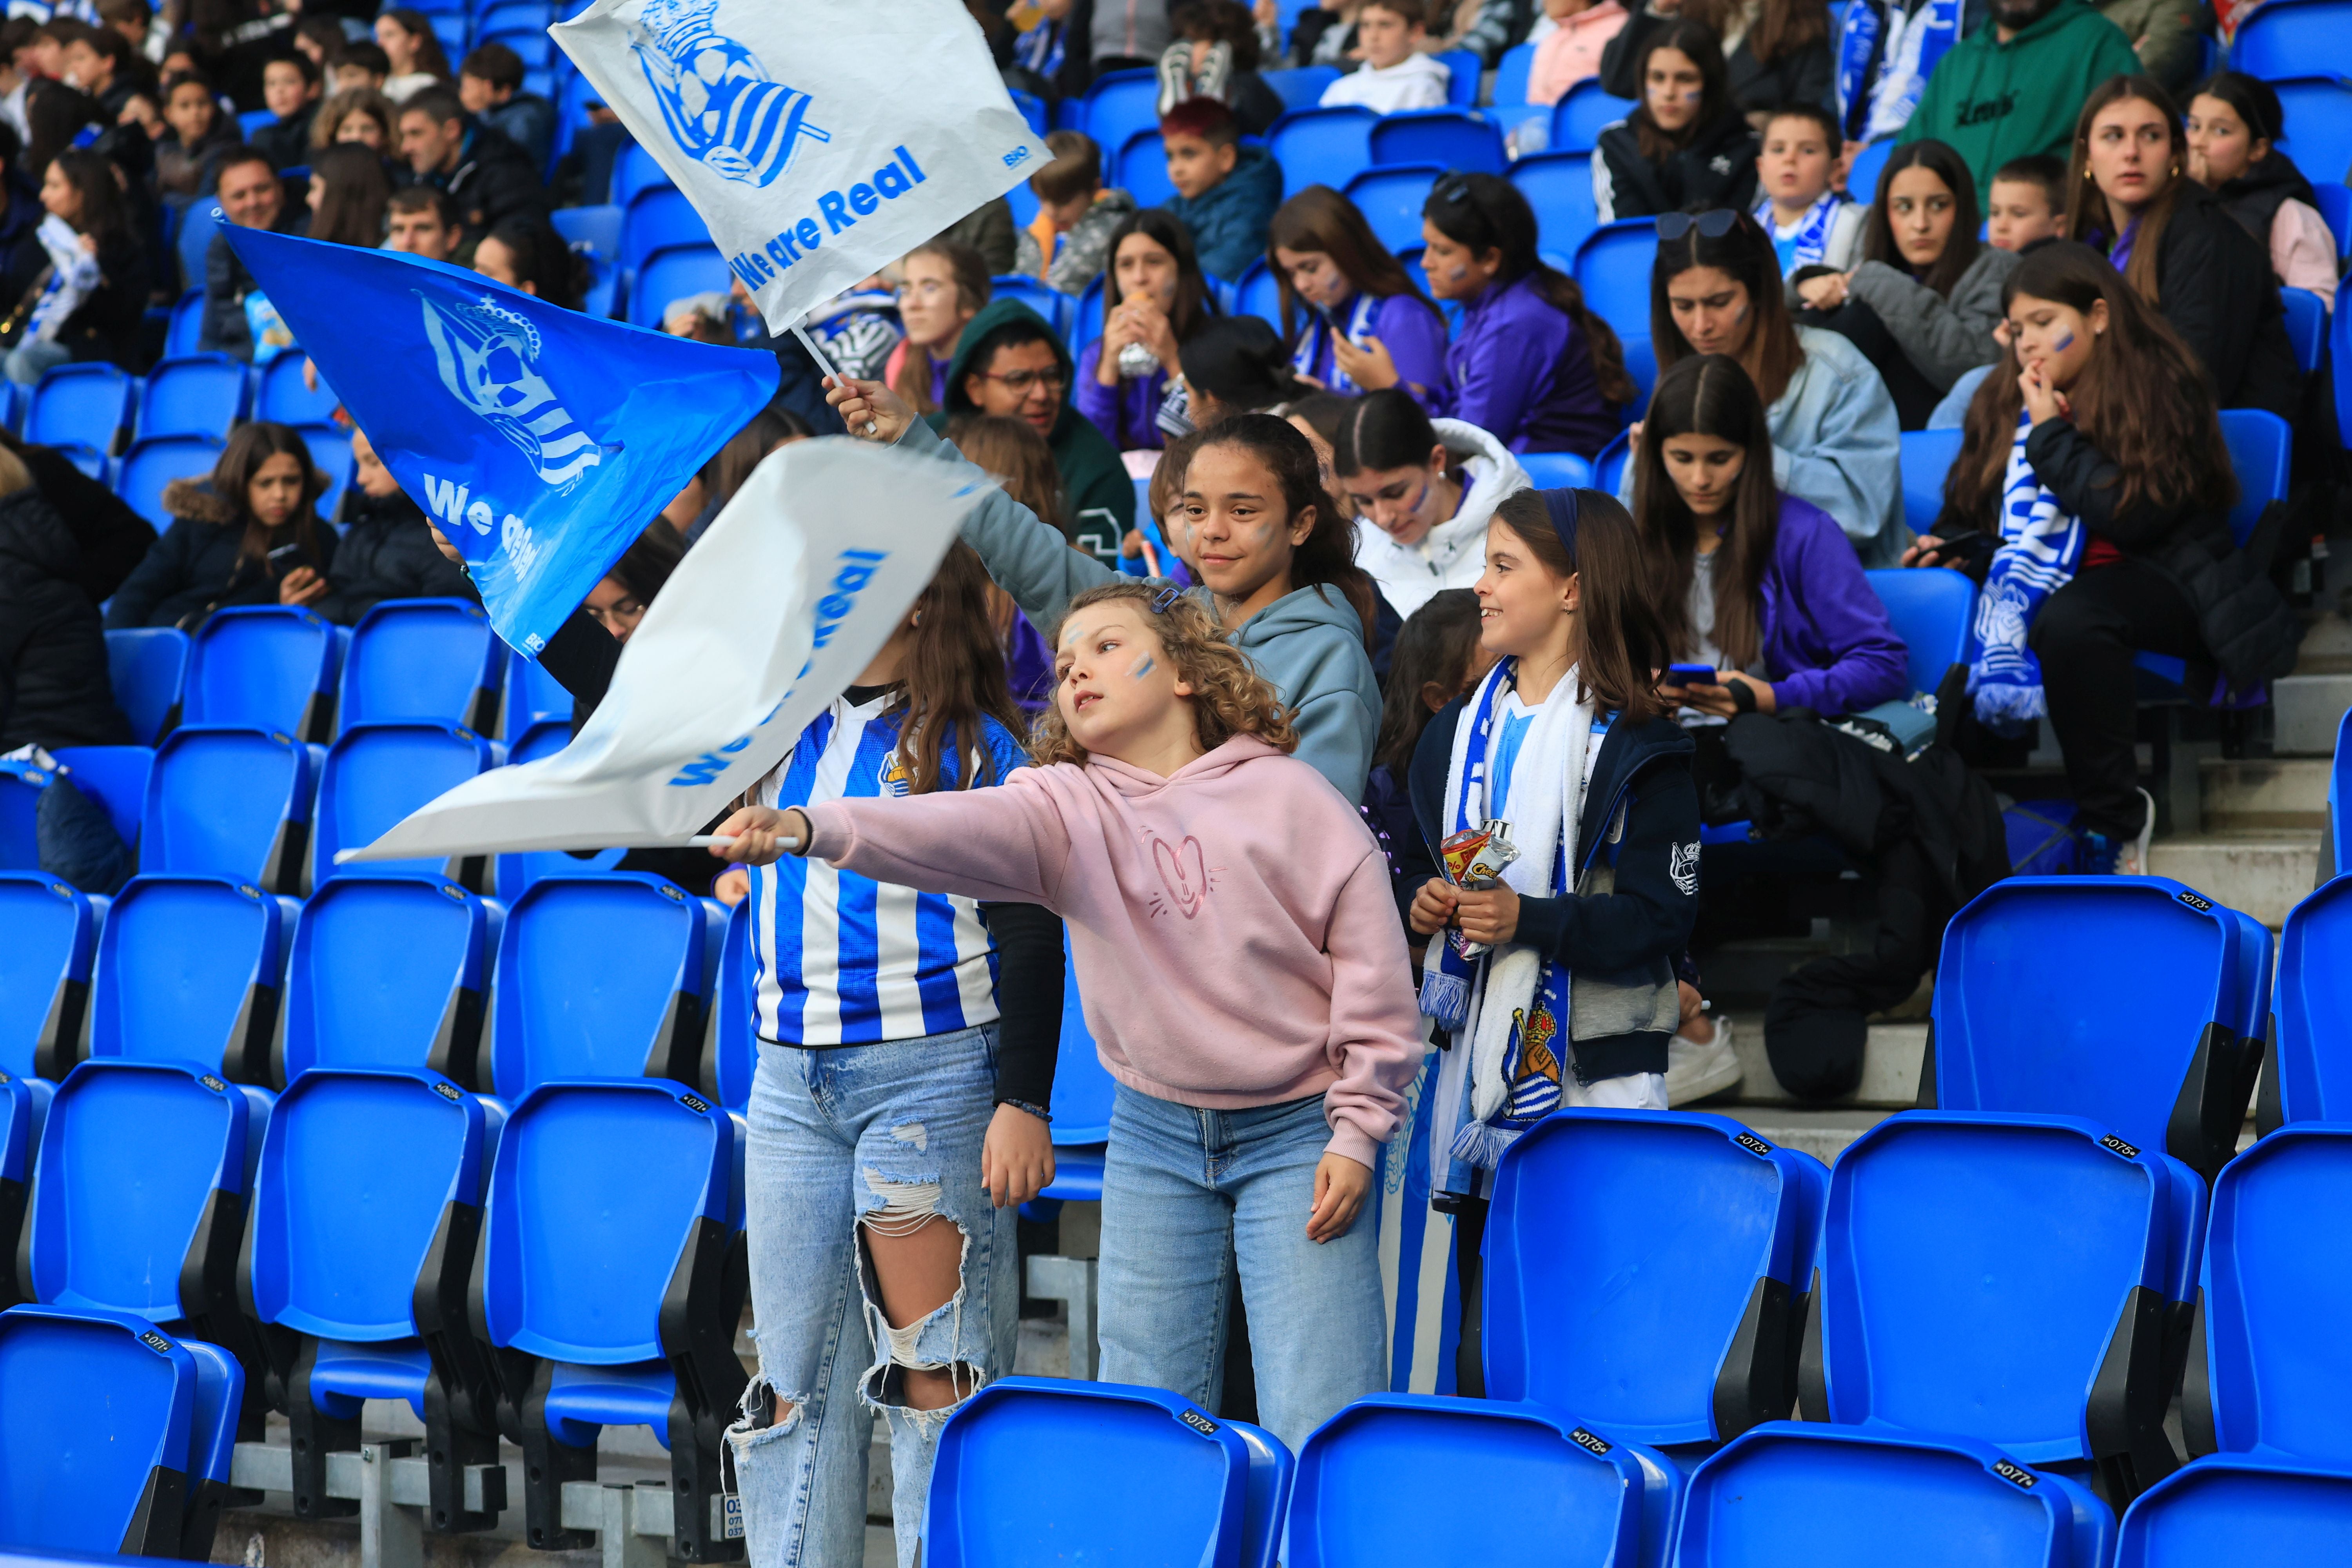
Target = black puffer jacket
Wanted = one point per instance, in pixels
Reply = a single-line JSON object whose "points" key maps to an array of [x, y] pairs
{"points": [[494, 179], [194, 569], [386, 552], [1806, 75], [2215, 285], [1717, 170], [54, 690], [112, 538]]}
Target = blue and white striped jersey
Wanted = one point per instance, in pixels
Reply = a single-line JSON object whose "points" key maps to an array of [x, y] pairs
{"points": [[839, 959]]}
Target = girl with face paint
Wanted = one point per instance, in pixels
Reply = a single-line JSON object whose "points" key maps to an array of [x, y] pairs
{"points": [[2234, 125], [1353, 319], [1421, 493], [1155, 298]]}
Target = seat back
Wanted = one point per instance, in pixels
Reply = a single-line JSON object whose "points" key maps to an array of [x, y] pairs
{"points": [[1511, 74], [265, 666], [2313, 1066], [1258, 293], [48, 935], [2339, 798], [1556, 470], [672, 273], [598, 1192], [2249, 1511], [658, 216], [431, 661], [2307, 327], [1450, 138], [597, 228], [1638, 1273], [1120, 103], [147, 666], [1463, 68], [636, 171], [283, 399], [1932, 612], [1835, 1497], [201, 394], [2261, 449], [1391, 196], [1926, 459], [2284, 38], [198, 223], [378, 773], [388, 972], [224, 801], [330, 454], [2316, 113], [1575, 1496], [734, 1051], [517, 872], [1304, 86], [1083, 1090], [1976, 1270], [1032, 1469], [598, 977], [88, 403], [150, 464], [1862, 176], [1609, 463], [400, 1148], [532, 696], [114, 778], [1050, 304], [188, 969], [1322, 146], [96, 1411], [1139, 165], [2145, 1037], [187, 327], [1558, 185], [1613, 267], [1582, 113], [142, 1169]]}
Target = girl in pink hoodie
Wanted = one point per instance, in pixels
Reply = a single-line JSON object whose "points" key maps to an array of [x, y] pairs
{"points": [[1244, 975]]}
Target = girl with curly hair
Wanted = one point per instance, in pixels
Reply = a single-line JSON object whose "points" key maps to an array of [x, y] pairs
{"points": [[1168, 824]]}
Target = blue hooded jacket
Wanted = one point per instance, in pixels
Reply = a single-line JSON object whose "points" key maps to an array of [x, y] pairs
{"points": [[1228, 219]]}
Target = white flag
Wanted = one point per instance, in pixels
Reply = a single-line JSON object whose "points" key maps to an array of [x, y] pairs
{"points": [[768, 619], [892, 125]]}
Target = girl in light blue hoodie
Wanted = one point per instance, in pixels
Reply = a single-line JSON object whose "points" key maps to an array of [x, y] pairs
{"points": [[1274, 556]]}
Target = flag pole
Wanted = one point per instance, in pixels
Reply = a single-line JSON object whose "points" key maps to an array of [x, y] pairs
{"points": [[823, 364]]}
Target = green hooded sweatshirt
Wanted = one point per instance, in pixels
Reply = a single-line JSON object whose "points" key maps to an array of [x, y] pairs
{"points": [[1994, 101], [1094, 486]]}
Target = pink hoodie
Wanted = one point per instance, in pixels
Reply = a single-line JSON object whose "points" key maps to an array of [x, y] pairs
{"points": [[1235, 940]]}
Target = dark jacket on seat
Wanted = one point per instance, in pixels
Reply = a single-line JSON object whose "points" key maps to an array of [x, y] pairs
{"points": [[1718, 169], [194, 569], [2215, 285], [54, 687], [386, 552]]}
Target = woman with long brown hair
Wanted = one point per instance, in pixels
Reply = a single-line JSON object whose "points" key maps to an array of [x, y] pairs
{"points": [[1774, 51], [247, 534], [1010, 450], [1349, 311], [2129, 195], [1686, 145], [2100, 468], [348, 194], [941, 286], [1155, 297]]}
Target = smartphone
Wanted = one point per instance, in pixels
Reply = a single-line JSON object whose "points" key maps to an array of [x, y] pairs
{"points": [[1972, 546], [286, 557], [1691, 675]]}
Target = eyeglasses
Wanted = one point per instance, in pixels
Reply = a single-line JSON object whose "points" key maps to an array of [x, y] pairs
{"points": [[1713, 224], [1022, 380]]}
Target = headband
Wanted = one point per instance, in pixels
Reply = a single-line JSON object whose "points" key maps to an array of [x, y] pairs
{"points": [[1562, 507]]}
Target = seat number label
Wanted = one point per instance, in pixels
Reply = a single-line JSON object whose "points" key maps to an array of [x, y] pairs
{"points": [[1198, 1422], [1590, 1442], [1755, 1145], [156, 1343], [2114, 1145], [2015, 1474], [2197, 901]]}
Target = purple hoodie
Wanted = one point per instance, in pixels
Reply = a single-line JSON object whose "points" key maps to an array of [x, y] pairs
{"points": [[1522, 370], [1127, 413], [1827, 641], [1412, 332]]}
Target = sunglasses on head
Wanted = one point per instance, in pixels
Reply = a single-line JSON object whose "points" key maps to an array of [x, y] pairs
{"points": [[1713, 224]]}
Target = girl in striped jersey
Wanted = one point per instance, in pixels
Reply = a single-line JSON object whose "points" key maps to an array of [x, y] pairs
{"points": [[906, 1045]]}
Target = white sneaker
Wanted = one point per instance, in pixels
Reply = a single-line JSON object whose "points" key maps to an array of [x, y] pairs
{"points": [[2133, 859], [1695, 1070]]}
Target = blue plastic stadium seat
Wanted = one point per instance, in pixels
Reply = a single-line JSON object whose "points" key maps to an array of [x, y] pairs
{"points": [[109, 1426], [378, 773], [2287, 37], [1140, 165], [533, 696], [202, 394], [93, 463], [1046, 302], [375, 1311], [1862, 178], [24, 1105], [599, 977], [2261, 448], [1640, 369], [516, 872], [90, 403], [424, 661], [199, 225], [2336, 207], [150, 466], [1322, 146], [1033, 1470], [1450, 138], [514, 17], [1033, 109], [2311, 1077], [115, 777], [2149, 1037], [188, 971], [224, 801], [330, 454], [1834, 1497], [671, 274], [1511, 74], [2013, 1278], [49, 936], [1926, 458], [1548, 1490], [733, 1051], [658, 217], [2318, 115], [2339, 798], [534, 47], [187, 324], [1932, 612], [1581, 114], [596, 228], [389, 972], [1556, 470], [283, 399], [1303, 88], [1258, 293], [1613, 267], [22, 784], [1609, 463], [2306, 326], [2249, 1513], [267, 667], [606, 1282], [1391, 196], [1463, 69], [1640, 1273], [147, 667], [635, 171], [1558, 185], [1119, 104], [1086, 318]]}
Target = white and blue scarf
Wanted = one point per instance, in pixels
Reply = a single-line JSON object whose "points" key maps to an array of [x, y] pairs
{"points": [[1315, 343], [1508, 1008], [1877, 87], [2040, 548], [1812, 240]]}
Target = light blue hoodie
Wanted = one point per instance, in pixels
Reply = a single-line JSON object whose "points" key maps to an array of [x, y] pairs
{"points": [[1309, 643]]}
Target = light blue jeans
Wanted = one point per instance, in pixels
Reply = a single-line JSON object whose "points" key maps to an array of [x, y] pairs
{"points": [[840, 1139], [1189, 1195], [27, 361]]}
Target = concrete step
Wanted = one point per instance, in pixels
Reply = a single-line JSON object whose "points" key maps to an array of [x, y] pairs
{"points": [[2263, 873], [1890, 1071], [2263, 795], [2305, 710]]}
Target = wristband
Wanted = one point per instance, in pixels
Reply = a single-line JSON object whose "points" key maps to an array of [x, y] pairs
{"points": [[1039, 1111]]}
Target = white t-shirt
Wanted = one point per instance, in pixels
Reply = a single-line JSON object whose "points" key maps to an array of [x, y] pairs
{"points": [[1417, 82]]}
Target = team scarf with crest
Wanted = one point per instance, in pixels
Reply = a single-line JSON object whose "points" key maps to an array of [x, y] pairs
{"points": [[2041, 549]]}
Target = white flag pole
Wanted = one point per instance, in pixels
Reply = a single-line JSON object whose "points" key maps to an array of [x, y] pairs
{"points": [[823, 363]]}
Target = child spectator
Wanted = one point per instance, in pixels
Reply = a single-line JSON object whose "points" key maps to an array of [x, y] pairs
{"points": [[54, 690], [1532, 366], [1225, 193], [1924, 302], [386, 551], [1812, 225], [1216, 55], [422, 221], [1352, 315], [356, 114], [525, 253], [1235, 364], [1571, 51], [1075, 215], [315, 38], [261, 494], [1774, 51], [1153, 299], [1396, 75], [1716, 289], [491, 178], [290, 87], [1437, 659], [92, 302], [1166, 754], [2014, 85], [188, 155], [1687, 147], [2234, 124], [2028, 204], [136, 23], [413, 50], [1422, 495], [942, 287], [1011, 450], [119, 82], [362, 64], [348, 196], [250, 197], [489, 84]]}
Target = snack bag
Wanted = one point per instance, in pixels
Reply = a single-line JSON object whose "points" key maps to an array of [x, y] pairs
{"points": [[1475, 857]]}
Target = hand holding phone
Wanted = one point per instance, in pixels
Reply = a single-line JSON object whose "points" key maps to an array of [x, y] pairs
{"points": [[1688, 675]]}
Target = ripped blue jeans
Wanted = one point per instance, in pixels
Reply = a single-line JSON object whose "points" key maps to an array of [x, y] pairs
{"points": [[860, 1136]]}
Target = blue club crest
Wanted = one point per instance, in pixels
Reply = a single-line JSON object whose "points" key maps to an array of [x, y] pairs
{"points": [[719, 101], [487, 356]]}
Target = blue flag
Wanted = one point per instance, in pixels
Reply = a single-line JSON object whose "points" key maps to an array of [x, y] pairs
{"points": [[539, 440]]}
